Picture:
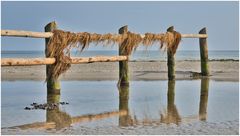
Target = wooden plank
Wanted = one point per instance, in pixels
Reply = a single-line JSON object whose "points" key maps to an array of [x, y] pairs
{"points": [[46, 61]]}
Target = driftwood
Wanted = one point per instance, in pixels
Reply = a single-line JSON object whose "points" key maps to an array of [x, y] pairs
{"points": [[46, 61]]}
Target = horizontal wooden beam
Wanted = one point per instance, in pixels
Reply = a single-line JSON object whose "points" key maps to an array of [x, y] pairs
{"points": [[16, 33], [47, 61], [194, 35], [26, 61]]}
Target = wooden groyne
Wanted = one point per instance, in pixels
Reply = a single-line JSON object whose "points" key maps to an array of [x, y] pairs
{"points": [[122, 39]]}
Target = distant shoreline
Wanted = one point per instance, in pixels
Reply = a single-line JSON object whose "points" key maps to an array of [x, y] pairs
{"points": [[183, 60]]}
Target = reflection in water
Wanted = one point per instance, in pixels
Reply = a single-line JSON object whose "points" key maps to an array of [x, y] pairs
{"points": [[203, 99], [172, 115], [123, 106], [57, 119], [60, 118]]}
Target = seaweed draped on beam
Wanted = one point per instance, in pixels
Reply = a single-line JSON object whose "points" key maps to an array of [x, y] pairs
{"points": [[62, 42]]}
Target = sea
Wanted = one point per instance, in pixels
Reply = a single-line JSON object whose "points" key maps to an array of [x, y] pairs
{"points": [[139, 55]]}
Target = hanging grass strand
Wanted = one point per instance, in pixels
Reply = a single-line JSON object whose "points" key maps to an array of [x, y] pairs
{"points": [[62, 42]]}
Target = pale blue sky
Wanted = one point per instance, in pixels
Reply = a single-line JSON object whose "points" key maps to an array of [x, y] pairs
{"points": [[220, 18]]}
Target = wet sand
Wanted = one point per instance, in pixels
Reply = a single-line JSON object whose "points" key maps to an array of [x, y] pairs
{"points": [[139, 70], [195, 128]]}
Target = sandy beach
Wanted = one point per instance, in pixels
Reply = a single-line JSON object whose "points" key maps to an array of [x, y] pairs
{"points": [[139, 70], [195, 128]]}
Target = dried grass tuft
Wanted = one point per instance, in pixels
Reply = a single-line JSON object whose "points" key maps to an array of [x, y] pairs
{"points": [[130, 43], [61, 43]]}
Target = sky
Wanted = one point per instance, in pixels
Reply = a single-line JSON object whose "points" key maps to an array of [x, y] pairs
{"points": [[220, 18]]}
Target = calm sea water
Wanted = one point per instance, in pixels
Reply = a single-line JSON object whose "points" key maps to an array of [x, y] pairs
{"points": [[146, 101], [138, 55]]}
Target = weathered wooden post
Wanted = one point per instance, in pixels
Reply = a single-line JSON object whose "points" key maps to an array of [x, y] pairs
{"points": [[203, 99], [123, 65], [170, 60], [171, 65], [53, 86], [204, 53]]}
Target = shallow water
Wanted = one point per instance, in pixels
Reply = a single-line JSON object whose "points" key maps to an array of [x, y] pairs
{"points": [[96, 103]]}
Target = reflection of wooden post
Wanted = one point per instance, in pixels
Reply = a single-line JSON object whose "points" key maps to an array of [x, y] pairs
{"points": [[204, 53], [203, 99], [61, 119], [172, 113], [171, 92], [53, 86], [123, 65], [170, 60], [124, 120], [123, 97]]}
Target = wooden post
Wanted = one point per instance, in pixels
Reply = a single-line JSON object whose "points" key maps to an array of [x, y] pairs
{"points": [[204, 53], [53, 86], [203, 99], [171, 60], [171, 65], [123, 65]]}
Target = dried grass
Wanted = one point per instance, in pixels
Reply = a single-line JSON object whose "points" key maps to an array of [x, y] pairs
{"points": [[62, 42]]}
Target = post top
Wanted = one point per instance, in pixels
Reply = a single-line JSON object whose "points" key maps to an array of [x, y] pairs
{"points": [[50, 26], [170, 29], [123, 29], [203, 31]]}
